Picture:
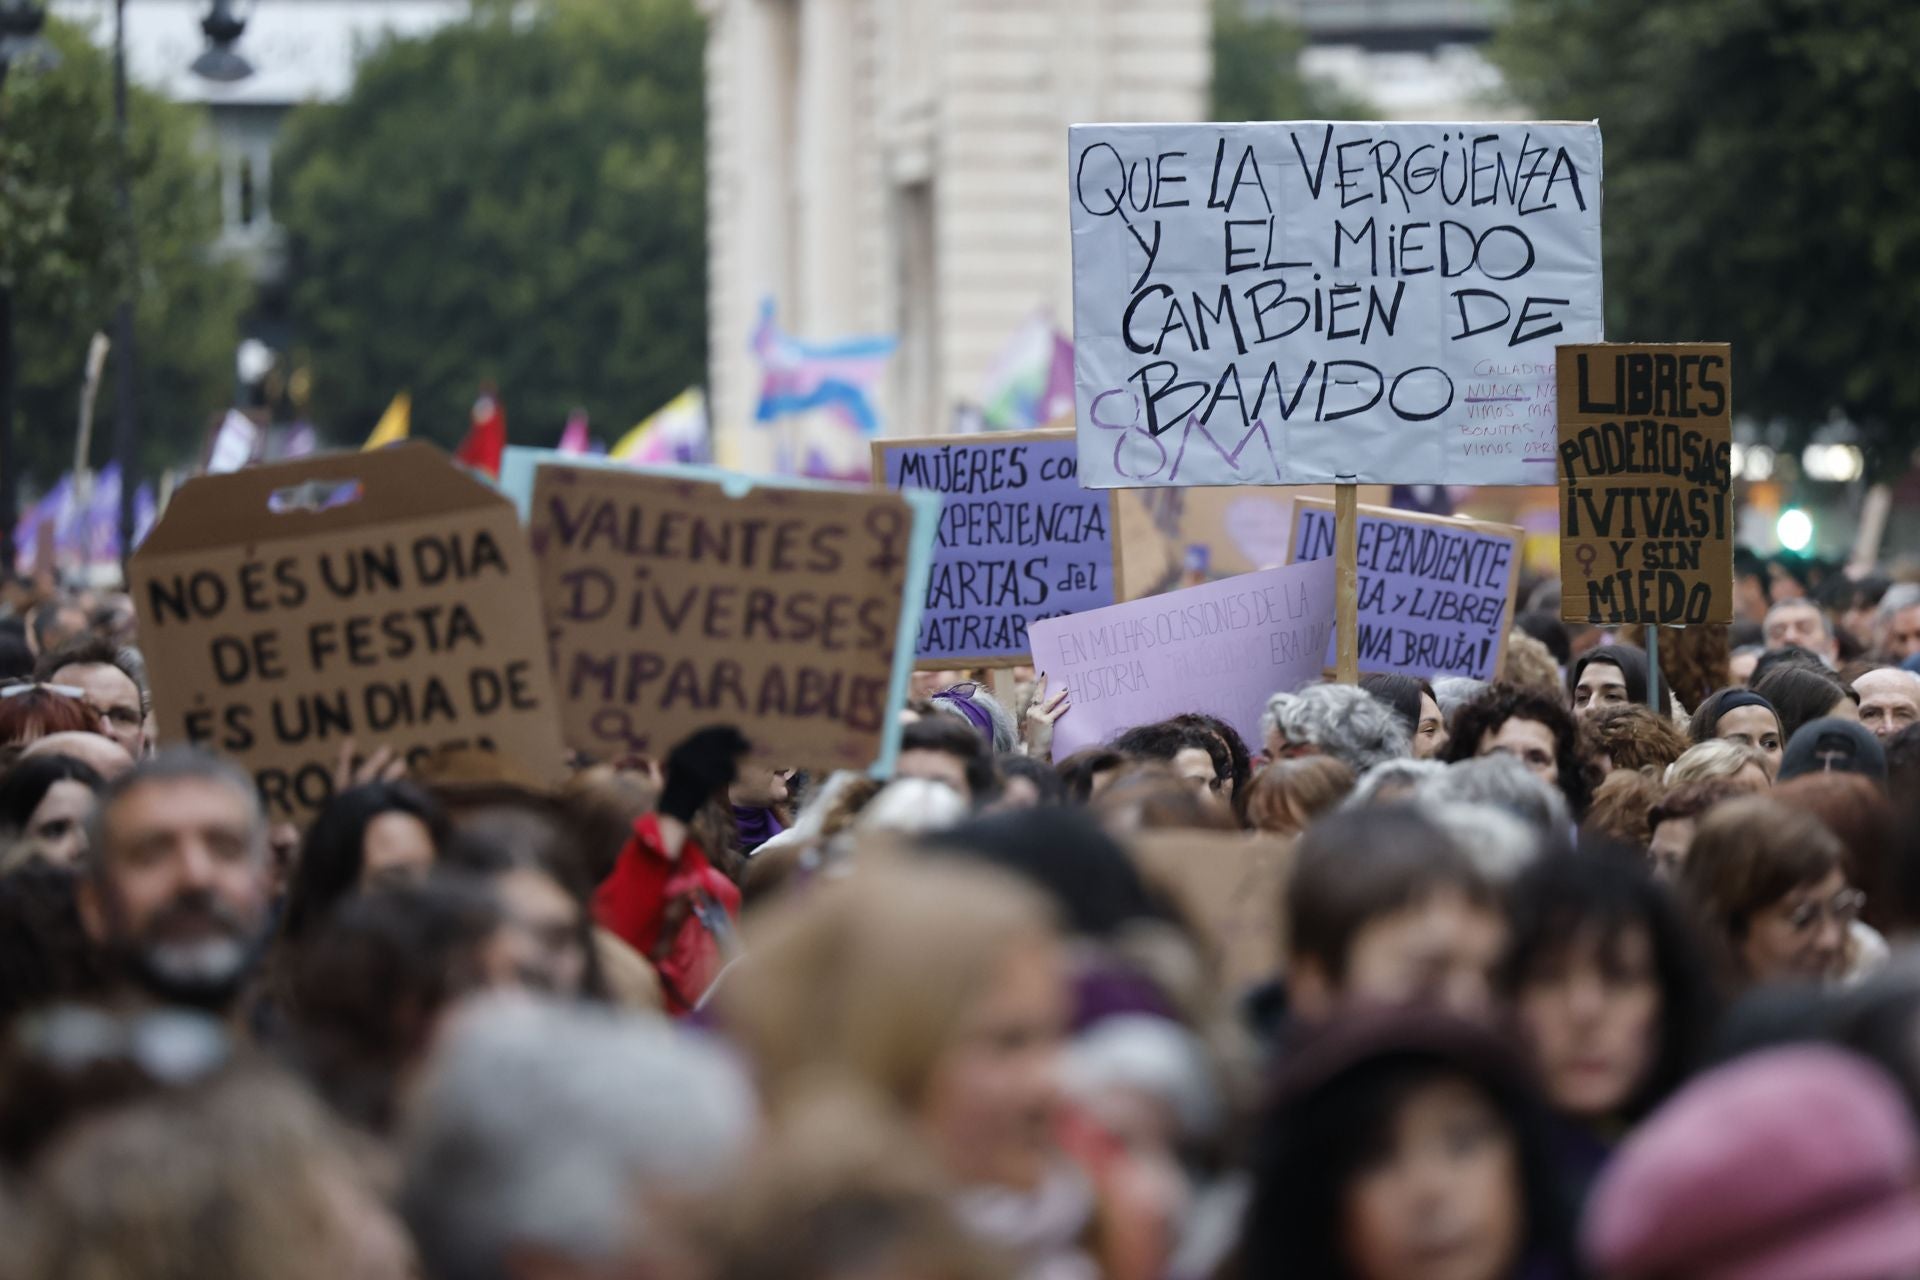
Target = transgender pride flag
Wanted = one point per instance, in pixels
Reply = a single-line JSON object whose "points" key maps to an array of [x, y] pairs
{"points": [[797, 377]]}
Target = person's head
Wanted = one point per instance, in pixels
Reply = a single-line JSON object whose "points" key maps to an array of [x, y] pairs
{"points": [[1026, 783], [1288, 795], [1770, 883], [1545, 626], [941, 986], [1722, 761], [1404, 1147], [1086, 773], [109, 684], [1154, 797], [1622, 810], [1889, 700], [56, 622], [759, 786], [1531, 726], [699, 770], [1095, 889], [1793, 1161], [1752, 585], [1672, 822], [240, 1175], [1412, 702], [1791, 655], [1856, 809], [1240, 760], [979, 710], [1742, 662], [1632, 737], [1801, 695], [1788, 576], [1611, 675], [45, 805], [1382, 907], [1499, 781], [178, 877], [1742, 716], [1198, 755], [1833, 746], [1896, 632], [562, 1140], [1804, 623], [1607, 983], [1338, 720], [943, 749], [1394, 782], [374, 981], [1453, 693], [97, 751], [1528, 663], [45, 957], [373, 836], [531, 860], [30, 711]]}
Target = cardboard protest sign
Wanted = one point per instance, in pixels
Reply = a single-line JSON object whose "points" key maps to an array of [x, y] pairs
{"points": [[1436, 593], [675, 602], [1646, 476], [1223, 648], [1311, 302], [1232, 887], [1019, 539], [381, 597]]}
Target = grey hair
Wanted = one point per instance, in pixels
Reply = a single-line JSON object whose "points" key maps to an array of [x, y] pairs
{"points": [[1455, 692], [1155, 1056], [1503, 783], [1340, 720], [1799, 602], [1006, 735], [1901, 595], [546, 1124], [176, 764], [1409, 773], [1499, 844]]}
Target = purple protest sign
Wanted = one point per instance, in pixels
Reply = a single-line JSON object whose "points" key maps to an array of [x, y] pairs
{"points": [[1019, 540], [1436, 594], [1223, 648]]}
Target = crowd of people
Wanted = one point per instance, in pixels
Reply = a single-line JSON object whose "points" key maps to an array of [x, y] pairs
{"points": [[1598, 969]]}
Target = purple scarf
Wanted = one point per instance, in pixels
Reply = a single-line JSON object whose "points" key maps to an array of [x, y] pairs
{"points": [[754, 827]]}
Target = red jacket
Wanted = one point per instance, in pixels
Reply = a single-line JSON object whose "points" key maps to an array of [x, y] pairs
{"points": [[665, 908]]}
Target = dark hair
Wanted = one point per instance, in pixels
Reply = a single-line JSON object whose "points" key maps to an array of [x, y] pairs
{"points": [[1045, 781], [1168, 738], [1903, 760], [1077, 770], [1401, 695], [1750, 853], [952, 736], [1705, 725], [1787, 655], [1604, 893], [1237, 753], [367, 990], [16, 657], [24, 786], [1549, 631], [1879, 1020], [1692, 799], [91, 650], [45, 954], [334, 851], [1634, 737], [1493, 706], [1354, 866], [1800, 696], [1094, 885], [1856, 809], [700, 768], [1316, 1141], [46, 614], [1631, 661], [532, 835]]}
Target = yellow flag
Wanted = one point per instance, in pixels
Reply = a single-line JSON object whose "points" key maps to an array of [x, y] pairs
{"points": [[393, 424]]}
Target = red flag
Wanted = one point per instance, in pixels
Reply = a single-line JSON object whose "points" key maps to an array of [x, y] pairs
{"points": [[486, 440]]}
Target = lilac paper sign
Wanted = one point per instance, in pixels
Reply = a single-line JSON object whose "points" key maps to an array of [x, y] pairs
{"points": [[1019, 540], [1436, 595], [1223, 648]]}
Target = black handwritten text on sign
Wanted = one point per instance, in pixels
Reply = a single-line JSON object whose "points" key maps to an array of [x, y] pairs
{"points": [[1018, 540], [1302, 303]]}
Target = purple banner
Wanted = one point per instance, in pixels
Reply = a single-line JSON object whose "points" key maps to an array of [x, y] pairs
{"points": [[1223, 648], [1434, 598], [1019, 540]]}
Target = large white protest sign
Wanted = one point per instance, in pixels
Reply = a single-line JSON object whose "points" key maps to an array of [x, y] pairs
{"points": [[1306, 303]]}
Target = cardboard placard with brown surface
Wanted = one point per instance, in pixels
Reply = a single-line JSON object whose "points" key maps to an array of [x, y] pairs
{"points": [[674, 603], [1232, 887], [1646, 476], [378, 597]]}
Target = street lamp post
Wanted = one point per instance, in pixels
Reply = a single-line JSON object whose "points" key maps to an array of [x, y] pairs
{"points": [[20, 23]]}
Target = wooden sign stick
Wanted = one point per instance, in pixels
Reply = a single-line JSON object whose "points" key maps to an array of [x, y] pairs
{"points": [[1346, 582]]}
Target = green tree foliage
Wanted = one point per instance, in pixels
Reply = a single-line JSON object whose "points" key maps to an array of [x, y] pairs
{"points": [[63, 254], [518, 198], [1762, 187], [1256, 71]]}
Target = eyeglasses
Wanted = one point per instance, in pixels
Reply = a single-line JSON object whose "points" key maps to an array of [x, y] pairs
{"points": [[121, 717], [1843, 909]]}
